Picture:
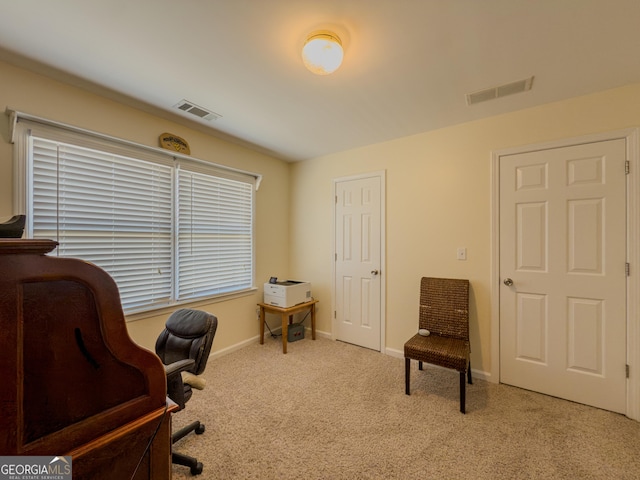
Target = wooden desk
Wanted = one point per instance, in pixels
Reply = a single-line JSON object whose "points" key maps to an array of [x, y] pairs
{"points": [[73, 381], [287, 318]]}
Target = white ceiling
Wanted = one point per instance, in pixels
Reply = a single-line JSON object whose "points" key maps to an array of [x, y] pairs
{"points": [[408, 63]]}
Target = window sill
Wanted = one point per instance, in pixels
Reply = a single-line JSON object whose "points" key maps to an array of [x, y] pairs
{"points": [[168, 309]]}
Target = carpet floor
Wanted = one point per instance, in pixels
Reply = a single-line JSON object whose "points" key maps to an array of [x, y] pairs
{"points": [[330, 410]]}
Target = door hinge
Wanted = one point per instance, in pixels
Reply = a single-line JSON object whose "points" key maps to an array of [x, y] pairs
{"points": [[627, 370], [335, 257], [627, 167], [627, 269], [335, 315]]}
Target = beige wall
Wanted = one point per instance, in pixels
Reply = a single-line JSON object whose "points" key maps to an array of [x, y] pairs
{"points": [[35, 94], [438, 198]]}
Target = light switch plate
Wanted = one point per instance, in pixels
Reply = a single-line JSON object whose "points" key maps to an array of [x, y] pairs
{"points": [[462, 253]]}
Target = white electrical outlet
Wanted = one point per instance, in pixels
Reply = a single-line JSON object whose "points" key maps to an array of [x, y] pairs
{"points": [[462, 253]]}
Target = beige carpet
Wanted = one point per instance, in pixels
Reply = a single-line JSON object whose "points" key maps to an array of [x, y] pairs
{"points": [[329, 410]]}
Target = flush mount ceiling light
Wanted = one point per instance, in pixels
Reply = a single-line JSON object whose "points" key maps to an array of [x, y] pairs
{"points": [[322, 52]]}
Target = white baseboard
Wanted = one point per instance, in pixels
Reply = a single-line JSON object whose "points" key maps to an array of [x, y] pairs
{"points": [[322, 334], [307, 332], [233, 348], [256, 339], [392, 352]]}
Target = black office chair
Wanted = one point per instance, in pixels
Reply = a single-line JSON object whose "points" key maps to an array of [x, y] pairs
{"points": [[184, 346], [14, 227]]}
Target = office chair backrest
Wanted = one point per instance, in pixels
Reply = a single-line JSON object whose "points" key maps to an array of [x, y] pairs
{"points": [[188, 334], [444, 307]]}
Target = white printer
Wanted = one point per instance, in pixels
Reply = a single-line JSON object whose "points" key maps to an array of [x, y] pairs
{"points": [[287, 293]]}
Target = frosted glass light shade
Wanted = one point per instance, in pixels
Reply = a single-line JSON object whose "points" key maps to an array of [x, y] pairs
{"points": [[322, 53]]}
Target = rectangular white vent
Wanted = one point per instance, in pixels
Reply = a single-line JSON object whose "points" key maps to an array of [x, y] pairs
{"points": [[192, 108], [499, 91]]}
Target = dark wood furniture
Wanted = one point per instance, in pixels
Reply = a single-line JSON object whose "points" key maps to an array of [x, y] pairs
{"points": [[72, 380]]}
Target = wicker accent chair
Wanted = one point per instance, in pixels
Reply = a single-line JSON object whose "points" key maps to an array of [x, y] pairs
{"points": [[444, 311]]}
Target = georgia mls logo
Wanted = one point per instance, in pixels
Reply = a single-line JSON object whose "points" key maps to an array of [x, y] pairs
{"points": [[35, 468], [60, 465]]}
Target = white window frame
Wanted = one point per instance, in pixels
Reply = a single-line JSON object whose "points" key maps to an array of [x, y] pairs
{"points": [[23, 126]]}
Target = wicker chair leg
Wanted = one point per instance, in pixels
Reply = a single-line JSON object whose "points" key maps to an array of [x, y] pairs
{"points": [[462, 391], [407, 375], [469, 374]]}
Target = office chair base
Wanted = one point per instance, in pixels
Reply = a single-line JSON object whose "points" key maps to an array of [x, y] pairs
{"points": [[194, 465], [183, 432], [185, 460]]}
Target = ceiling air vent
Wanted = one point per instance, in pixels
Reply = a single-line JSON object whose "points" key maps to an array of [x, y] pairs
{"points": [[193, 109], [499, 91]]}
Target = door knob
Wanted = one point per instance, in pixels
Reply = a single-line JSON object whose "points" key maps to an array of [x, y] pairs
{"points": [[508, 282], [374, 272]]}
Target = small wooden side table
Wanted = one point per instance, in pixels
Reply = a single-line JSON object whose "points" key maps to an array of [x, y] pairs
{"points": [[287, 318]]}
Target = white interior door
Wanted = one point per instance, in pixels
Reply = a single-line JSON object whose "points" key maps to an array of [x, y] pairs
{"points": [[358, 261], [562, 272]]}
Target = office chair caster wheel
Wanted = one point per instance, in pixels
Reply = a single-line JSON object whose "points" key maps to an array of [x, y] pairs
{"points": [[199, 430], [197, 470]]}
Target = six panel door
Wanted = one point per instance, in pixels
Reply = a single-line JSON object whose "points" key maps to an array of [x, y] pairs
{"points": [[562, 269]]}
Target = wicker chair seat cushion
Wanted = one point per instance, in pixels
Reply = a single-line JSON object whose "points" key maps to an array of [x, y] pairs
{"points": [[443, 351]]}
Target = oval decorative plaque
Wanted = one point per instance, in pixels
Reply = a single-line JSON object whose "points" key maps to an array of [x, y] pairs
{"points": [[175, 143]]}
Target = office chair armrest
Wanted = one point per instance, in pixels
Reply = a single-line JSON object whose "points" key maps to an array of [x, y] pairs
{"points": [[179, 366], [175, 387]]}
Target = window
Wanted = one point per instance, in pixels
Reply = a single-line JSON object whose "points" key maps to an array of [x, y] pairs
{"points": [[214, 234], [167, 229]]}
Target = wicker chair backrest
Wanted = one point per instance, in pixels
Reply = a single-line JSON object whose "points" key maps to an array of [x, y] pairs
{"points": [[444, 306]]}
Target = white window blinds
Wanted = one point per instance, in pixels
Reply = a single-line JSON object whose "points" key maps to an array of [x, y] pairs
{"points": [[110, 210], [214, 234], [168, 229]]}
